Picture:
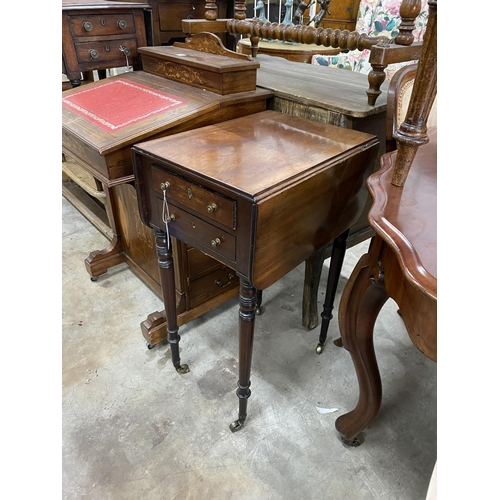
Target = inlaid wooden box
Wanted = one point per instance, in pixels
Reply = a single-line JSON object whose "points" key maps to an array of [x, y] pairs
{"points": [[215, 72]]}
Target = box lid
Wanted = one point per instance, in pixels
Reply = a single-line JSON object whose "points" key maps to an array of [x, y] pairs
{"points": [[215, 63]]}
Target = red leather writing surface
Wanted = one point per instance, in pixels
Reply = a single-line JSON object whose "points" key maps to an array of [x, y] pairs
{"points": [[120, 103]]}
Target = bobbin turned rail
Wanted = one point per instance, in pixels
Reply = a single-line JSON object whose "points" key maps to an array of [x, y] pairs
{"points": [[383, 51]]}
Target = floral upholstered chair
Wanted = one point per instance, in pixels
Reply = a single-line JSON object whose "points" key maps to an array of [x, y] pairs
{"points": [[375, 18]]}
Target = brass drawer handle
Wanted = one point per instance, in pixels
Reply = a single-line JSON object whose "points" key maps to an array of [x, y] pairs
{"points": [[94, 54], [87, 26], [216, 242], [164, 185], [212, 208], [220, 284], [170, 218], [122, 24]]}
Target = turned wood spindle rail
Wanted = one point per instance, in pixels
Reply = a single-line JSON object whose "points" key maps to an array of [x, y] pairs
{"points": [[384, 51], [413, 131]]}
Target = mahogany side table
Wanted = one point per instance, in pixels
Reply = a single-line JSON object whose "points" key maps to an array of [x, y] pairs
{"points": [[401, 264], [260, 194]]}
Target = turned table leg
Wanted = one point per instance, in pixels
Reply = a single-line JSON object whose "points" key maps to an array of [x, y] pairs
{"points": [[167, 278], [336, 261], [361, 302], [247, 300]]}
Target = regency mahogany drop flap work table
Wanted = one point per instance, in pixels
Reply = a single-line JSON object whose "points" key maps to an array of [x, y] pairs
{"points": [[259, 194]]}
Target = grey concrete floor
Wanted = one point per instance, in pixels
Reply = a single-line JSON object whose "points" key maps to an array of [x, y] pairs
{"points": [[132, 428]]}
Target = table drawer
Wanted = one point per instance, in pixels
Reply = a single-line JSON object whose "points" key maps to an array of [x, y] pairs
{"points": [[210, 285], [195, 198], [102, 25], [207, 237], [106, 50]]}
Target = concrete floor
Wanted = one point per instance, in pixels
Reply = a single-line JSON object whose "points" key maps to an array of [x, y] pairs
{"points": [[135, 429]]}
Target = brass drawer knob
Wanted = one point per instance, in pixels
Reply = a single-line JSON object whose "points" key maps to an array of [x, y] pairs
{"points": [[216, 242], [164, 185], [87, 26], [94, 54], [170, 218], [212, 208], [218, 283], [122, 24]]}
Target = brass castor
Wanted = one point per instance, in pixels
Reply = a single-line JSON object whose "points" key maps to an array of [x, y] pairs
{"points": [[236, 426], [319, 348], [182, 369], [354, 442]]}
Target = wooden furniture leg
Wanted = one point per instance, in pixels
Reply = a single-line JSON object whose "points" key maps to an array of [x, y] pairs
{"points": [[258, 303], [312, 276], [167, 278], [246, 327], [336, 261], [361, 302], [99, 261]]}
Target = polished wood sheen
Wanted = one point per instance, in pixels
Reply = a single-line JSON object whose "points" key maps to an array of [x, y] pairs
{"points": [[94, 31], [401, 265], [402, 261], [272, 190], [105, 159]]}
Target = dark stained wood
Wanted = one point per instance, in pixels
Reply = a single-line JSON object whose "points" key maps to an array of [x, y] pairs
{"points": [[401, 264], [341, 14], [106, 158], [168, 16], [294, 184], [413, 130], [325, 95], [402, 260], [383, 50], [93, 32], [221, 73]]}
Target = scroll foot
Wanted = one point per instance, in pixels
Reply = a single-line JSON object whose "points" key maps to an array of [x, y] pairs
{"points": [[338, 342], [236, 425]]}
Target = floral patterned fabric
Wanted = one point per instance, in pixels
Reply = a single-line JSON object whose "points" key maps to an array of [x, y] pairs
{"points": [[375, 18]]}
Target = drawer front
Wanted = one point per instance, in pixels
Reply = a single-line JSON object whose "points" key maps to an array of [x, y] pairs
{"points": [[208, 238], [104, 51], [211, 285], [204, 202], [102, 25]]}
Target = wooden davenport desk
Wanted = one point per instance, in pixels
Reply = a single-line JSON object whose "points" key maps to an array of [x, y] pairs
{"points": [[260, 194], [100, 123]]}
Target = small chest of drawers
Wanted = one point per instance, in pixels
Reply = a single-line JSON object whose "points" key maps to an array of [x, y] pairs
{"points": [[101, 35]]}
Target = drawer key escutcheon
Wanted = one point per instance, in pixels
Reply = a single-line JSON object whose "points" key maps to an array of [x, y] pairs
{"points": [[212, 208], [216, 242]]}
